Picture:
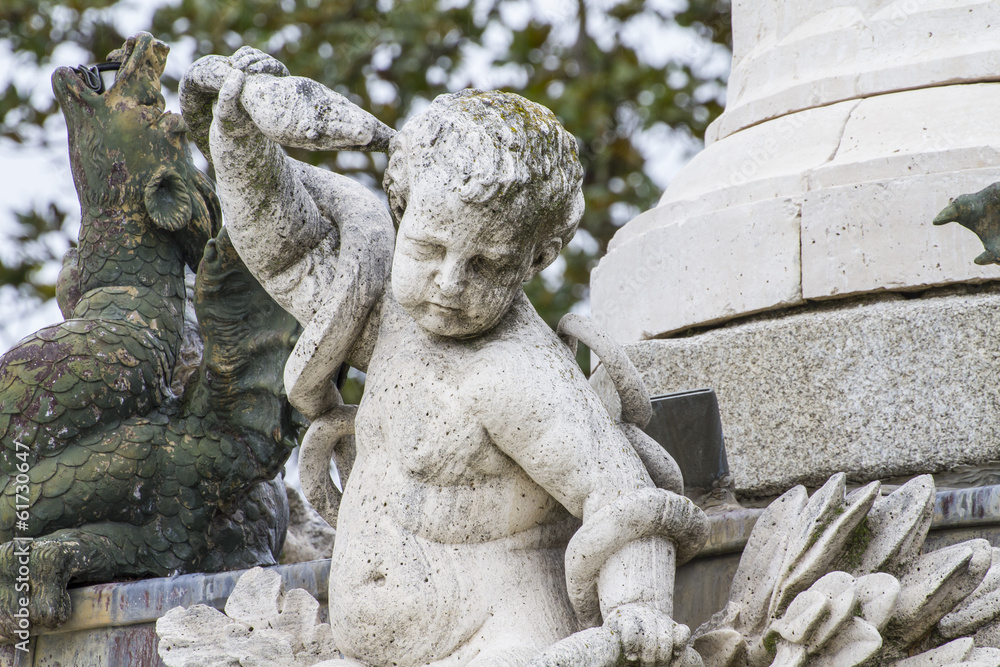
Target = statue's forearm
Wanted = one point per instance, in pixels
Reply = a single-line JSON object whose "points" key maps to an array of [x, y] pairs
{"points": [[273, 220], [627, 550], [271, 217], [641, 571]]}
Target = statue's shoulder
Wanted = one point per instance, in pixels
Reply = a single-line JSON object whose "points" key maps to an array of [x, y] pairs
{"points": [[523, 352]]}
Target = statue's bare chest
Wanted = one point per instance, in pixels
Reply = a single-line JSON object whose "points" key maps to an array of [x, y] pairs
{"points": [[415, 416]]}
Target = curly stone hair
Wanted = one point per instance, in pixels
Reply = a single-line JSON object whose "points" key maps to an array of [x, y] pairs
{"points": [[506, 152]]}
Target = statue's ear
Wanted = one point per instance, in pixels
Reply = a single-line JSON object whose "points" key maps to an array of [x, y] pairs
{"points": [[168, 200], [545, 253]]}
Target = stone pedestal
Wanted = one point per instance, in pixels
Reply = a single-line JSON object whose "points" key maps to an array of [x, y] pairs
{"points": [[850, 124], [114, 625]]}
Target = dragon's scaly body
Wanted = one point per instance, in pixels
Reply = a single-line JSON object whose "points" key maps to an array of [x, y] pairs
{"points": [[145, 211], [123, 477]]}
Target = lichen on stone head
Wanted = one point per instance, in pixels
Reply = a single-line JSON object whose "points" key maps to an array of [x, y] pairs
{"points": [[500, 150]]}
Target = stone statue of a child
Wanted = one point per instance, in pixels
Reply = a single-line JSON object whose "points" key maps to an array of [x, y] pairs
{"points": [[480, 444]]}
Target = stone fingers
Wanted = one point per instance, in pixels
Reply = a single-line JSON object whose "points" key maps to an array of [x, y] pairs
{"points": [[229, 111], [253, 61], [648, 637]]}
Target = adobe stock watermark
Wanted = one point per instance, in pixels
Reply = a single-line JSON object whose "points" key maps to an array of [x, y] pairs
{"points": [[22, 549]]}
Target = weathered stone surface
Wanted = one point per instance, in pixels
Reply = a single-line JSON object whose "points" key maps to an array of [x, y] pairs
{"points": [[101, 647], [823, 582], [309, 537], [792, 57], [263, 625], [957, 515], [708, 268], [886, 387], [113, 624], [884, 139], [878, 235], [140, 602], [480, 445], [860, 181], [767, 161]]}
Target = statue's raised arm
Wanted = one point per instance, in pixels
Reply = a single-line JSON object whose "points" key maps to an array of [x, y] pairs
{"points": [[320, 244]]}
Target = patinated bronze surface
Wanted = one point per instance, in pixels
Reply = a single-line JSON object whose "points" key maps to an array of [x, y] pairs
{"points": [[109, 472], [979, 212]]}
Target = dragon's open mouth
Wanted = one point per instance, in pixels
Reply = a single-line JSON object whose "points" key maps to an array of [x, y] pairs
{"points": [[131, 73], [94, 75]]}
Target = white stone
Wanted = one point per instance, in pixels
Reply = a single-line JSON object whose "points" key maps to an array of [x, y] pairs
{"points": [[182, 633], [789, 606], [860, 181], [878, 235], [262, 626], [789, 57], [884, 138], [903, 518], [952, 653], [256, 598], [981, 607], [935, 583], [708, 268], [479, 444], [767, 161]]}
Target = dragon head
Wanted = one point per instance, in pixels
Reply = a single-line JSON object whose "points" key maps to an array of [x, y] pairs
{"points": [[980, 213], [130, 155]]}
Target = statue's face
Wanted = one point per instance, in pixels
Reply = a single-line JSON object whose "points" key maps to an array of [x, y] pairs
{"points": [[457, 266]]}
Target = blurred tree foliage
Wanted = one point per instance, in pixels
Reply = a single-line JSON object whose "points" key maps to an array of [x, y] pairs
{"points": [[390, 56]]}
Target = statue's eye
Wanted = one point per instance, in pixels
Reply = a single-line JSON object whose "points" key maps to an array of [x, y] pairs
{"points": [[422, 249], [482, 265]]}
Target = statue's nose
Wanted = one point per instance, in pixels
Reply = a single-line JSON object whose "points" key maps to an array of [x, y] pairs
{"points": [[450, 277]]}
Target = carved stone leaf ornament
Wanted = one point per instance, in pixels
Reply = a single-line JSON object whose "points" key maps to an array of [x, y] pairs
{"points": [[262, 625], [838, 580]]}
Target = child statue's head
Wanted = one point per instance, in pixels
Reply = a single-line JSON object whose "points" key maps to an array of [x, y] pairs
{"points": [[486, 187]]}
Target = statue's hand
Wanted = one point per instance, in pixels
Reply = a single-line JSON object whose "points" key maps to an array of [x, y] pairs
{"points": [[230, 115], [648, 637], [202, 84], [229, 111], [253, 61]]}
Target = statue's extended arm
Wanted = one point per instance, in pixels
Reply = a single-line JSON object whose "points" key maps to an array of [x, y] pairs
{"points": [[620, 564], [321, 244], [272, 219]]}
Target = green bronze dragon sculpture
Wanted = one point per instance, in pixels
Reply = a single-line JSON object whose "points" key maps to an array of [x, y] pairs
{"points": [[107, 471], [978, 212]]}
